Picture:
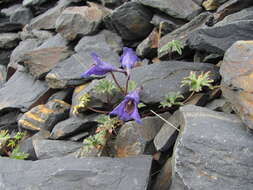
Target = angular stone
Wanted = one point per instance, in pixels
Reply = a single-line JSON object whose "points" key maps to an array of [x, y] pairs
{"points": [[3, 74], [68, 72], [176, 8], [55, 41], [134, 139], [45, 116], [45, 149], [167, 23], [5, 56], [236, 70], [218, 39], [72, 173], [10, 27], [213, 151], [79, 137], [64, 95], [183, 32], [39, 62], [121, 21], [73, 126], [21, 15], [76, 22], [48, 19], [27, 3], [9, 40], [220, 105], [8, 120], [22, 92], [10, 10], [26, 146], [157, 80], [41, 35]]}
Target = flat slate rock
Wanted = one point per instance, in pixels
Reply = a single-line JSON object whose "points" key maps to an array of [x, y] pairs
{"points": [[22, 91], [218, 38], [213, 151], [9, 40], [176, 8], [72, 173]]}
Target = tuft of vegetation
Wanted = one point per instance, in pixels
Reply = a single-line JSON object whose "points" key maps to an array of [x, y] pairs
{"points": [[173, 46], [83, 103], [196, 83], [105, 87], [131, 86], [16, 154], [172, 99]]}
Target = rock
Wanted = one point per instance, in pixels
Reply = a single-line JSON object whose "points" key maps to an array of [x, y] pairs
{"points": [[199, 2], [166, 23], [64, 95], [148, 47], [55, 41], [8, 120], [10, 10], [220, 105], [121, 21], [9, 40], [27, 147], [39, 62], [79, 137], [32, 91], [112, 3], [163, 179], [134, 139], [213, 151], [68, 72], [76, 22], [73, 126], [3, 74], [5, 57], [157, 80], [48, 19], [211, 5], [45, 149], [19, 52], [183, 32], [45, 116], [21, 15], [203, 39], [176, 8], [72, 173], [236, 70], [41, 35], [10, 27], [27, 3]]}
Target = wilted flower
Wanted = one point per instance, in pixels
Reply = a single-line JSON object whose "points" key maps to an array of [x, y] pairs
{"points": [[128, 108], [128, 59], [100, 68]]}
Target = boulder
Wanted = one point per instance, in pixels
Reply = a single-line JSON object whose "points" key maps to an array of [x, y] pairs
{"points": [[45, 149], [75, 22], [39, 62], [73, 126], [23, 92], [21, 15], [236, 70], [176, 8], [136, 139], [218, 38], [131, 21], [45, 116], [183, 32], [213, 151], [72, 173], [9, 40]]}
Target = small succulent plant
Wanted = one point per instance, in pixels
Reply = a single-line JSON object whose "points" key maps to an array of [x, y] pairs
{"points": [[196, 83], [172, 99], [173, 46]]}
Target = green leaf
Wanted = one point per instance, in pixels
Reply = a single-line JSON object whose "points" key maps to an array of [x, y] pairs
{"points": [[173, 46], [172, 99], [132, 86], [19, 135], [141, 105], [105, 86], [11, 143], [16, 154], [4, 134]]}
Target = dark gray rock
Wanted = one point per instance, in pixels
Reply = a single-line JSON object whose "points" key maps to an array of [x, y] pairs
{"points": [[8, 120], [45, 149], [166, 23], [75, 22], [10, 27], [73, 126], [112, 3], [45, 117], [79, 136], [183, 32], [176, 8], [134, 139], [157, 80], [64, 95], [213, 151], [10, 10], [3, 74], [5, 56], [22, 92], [218, 39], [220, 104], [27, 147], [21, 15], [68, 72], [9, 40], [131, 21], [55, 41], [71, 173]]}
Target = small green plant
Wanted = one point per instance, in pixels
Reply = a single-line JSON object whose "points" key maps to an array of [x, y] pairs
{"points": [[105, 87], [196, 83], [132, 86], [16, 154], [141, 105], [4, 134], [172, 99], [83, 103], [173, 46], [19, 135]]}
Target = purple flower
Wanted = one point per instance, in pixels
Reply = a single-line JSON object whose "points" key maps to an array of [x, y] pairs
{"points": [[128, 59], [100, 68], [128, 108]]}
